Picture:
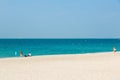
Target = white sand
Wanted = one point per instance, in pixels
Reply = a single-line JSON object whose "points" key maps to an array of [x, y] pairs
{"points": [[62, 67]]}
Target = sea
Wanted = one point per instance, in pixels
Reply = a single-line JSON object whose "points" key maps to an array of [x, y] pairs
{"points": [[40, 47]]}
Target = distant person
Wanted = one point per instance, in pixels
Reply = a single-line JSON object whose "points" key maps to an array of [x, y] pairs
{"points": [[21, 53], [114, 51], [15, 53], [29, 54], [25, 55]]}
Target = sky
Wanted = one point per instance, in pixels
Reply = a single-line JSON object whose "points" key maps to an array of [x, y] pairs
{"points": [[59, 18]]}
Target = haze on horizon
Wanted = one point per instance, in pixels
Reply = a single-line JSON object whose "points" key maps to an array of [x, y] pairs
{"points": [[60, 19]]}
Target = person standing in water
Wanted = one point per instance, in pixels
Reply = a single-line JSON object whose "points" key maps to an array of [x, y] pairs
{"points": [[21, 53], [114, 51], [15, 53]]}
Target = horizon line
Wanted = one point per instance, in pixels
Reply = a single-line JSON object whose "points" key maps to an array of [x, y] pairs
{"points": [[59, 38]]}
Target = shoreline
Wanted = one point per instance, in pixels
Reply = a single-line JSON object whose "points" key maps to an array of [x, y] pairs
{"points": [[61, 55]]}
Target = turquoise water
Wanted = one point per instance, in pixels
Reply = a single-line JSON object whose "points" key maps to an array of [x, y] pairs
{"points": [[8, 47]]}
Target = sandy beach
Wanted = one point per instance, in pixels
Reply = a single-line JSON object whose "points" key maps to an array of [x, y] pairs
{"points": [[102, 66]]}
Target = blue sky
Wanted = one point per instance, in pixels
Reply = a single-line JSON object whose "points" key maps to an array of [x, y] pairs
{"points": [[59, 18]]}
